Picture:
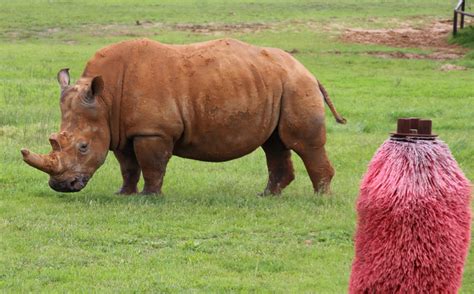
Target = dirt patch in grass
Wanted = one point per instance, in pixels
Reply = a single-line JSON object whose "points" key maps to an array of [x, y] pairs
{"points": [[404, 55], [145, 28], [293, 51], [215, 28], [451, 67], [207, 28], [432, 36], [142, 28]]}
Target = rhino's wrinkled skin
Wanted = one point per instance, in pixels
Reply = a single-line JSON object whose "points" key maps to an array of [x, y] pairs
{"points": [[211, 101]]}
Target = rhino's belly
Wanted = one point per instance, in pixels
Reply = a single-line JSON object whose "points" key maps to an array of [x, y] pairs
{"points": [[213, 153], [225, 138]]}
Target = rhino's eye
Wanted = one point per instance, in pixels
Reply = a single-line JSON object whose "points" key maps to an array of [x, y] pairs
{"points": [[83, 147]]}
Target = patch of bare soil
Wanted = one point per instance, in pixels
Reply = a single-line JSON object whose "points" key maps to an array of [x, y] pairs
{"points": [[293, 51], [206, 29], [404, 55], [451, 67], [213, 28], [432, 36], [145, 28]]}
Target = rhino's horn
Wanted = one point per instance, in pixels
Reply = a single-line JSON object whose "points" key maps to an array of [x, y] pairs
{"points": [[45, 163]]}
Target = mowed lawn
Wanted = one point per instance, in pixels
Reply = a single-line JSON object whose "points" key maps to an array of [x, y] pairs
{"points": [[210, 232]]}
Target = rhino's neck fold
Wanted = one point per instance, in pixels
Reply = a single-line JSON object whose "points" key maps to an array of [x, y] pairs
{"points": [[114, 123], [112, 69], [115, 109]]}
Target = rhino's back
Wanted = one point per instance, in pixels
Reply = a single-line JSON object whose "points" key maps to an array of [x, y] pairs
{"points": [[219, 99]]}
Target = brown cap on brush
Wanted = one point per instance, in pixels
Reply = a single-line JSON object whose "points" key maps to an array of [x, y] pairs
{"points": [[414, 127]]}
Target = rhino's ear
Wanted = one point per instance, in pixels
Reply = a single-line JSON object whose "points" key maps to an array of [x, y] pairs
{"points": [[97, 86], [63, 78]]}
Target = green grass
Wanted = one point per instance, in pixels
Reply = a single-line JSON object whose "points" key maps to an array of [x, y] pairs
{"points": [[465, 37], [209, 233]]}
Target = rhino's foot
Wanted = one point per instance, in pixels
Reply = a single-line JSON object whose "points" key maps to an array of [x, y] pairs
{"points": [[150, 193], [268, 192], [152, 189], [323, 188], [278, 181], [127, 191]]}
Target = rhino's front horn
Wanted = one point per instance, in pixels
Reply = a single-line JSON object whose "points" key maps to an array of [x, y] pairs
{"points": [[47, 163]]}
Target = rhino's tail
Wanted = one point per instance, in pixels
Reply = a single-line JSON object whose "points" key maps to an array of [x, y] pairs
{"points": [[337, 116]]}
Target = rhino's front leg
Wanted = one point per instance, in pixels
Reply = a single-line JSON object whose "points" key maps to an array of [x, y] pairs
{"points": [[153, 154], [129, 168]]}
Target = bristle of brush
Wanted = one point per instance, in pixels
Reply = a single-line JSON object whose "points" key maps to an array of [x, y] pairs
{"points": [[413, 221]]}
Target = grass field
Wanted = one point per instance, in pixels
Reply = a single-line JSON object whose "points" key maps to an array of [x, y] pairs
{"points": [[210, 233]]}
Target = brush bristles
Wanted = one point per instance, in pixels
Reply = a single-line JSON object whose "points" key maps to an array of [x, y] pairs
{"points": [[414, 221]]}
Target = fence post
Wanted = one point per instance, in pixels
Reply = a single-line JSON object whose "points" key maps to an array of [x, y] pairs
{"points": [[463, 7], [455, 23]]}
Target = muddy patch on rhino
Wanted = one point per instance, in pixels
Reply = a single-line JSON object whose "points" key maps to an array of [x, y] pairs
{"points": [[431, 36]]}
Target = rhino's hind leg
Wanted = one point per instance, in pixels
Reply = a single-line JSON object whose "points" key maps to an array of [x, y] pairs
{"points": [[153, 154], [308, 143], [318, 167], [129, 168], [280, 167], [302, 129]]}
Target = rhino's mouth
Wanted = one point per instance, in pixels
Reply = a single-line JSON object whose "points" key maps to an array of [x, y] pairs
{"points": [[75, 184]]}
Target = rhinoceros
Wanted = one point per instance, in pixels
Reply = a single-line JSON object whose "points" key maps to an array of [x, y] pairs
{"points": [[211, 101]]}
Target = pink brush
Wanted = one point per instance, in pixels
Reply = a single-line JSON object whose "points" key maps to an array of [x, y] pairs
{"points": [[413, 216]]}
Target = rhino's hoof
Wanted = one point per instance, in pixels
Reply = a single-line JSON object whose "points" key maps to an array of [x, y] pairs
{"points": [[123, 191], [151, 193], [267, 192], [323, 189]]}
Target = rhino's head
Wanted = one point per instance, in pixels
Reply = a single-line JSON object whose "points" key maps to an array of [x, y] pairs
{"points": [[81, 146]]}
